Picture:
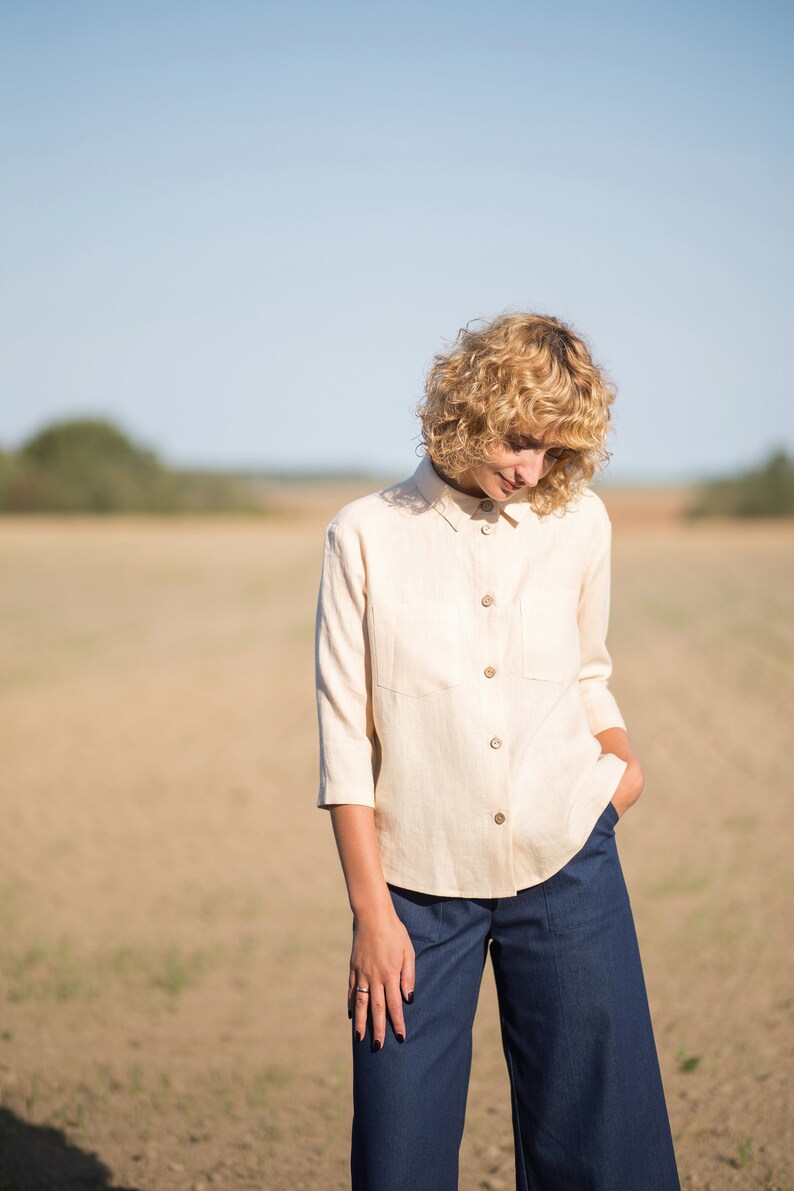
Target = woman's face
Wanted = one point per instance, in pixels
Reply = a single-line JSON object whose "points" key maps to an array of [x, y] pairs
{"points": [[518, 463]]}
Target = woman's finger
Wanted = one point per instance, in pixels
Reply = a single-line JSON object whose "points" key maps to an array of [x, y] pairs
{"points": [[394, 1004], [407, 976], [360, 1008], [377, 1009]]}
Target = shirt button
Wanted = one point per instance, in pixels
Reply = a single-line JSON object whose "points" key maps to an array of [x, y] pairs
{"points": [[487, 505], [496, 743], [486, 529], [499, 818], [489, 671], [486, 601]]}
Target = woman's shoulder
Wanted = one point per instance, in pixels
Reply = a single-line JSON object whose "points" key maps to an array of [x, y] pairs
{"points": [[588, 507], [593, 502], [363, 513]]}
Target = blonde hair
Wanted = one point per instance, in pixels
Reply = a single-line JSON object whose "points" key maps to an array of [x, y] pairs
{"points": [[519, 375]]}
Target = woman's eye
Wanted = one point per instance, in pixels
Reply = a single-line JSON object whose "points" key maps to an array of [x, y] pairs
{"points": [[517, 447]]}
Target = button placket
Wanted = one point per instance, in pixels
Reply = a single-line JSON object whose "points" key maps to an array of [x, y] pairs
{"points": [[486, 601], [493, 624]]}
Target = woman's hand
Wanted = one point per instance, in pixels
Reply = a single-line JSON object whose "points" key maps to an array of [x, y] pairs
{"points": [[629, 787], [382, 960], [616, 740]]}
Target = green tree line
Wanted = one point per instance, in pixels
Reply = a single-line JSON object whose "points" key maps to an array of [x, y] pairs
{"points": [[88, 465], [764, 491]]}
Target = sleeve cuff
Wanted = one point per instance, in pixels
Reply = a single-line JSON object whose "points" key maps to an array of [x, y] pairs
{"points": [[601, 708], [331, 796]]}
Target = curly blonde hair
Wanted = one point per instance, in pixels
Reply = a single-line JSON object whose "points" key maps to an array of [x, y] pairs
{"points": [[519, 375]]}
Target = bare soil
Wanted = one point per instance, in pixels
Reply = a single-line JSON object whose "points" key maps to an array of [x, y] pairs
{"points": [[174, 929]]}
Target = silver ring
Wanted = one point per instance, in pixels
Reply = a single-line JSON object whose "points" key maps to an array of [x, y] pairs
{"points": [[360, 988]]}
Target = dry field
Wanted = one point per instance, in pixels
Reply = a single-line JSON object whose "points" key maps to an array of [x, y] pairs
{"points": [[174, 931]]}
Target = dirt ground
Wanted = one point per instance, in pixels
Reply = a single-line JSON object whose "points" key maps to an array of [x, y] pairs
{"points": [[174, 929]]}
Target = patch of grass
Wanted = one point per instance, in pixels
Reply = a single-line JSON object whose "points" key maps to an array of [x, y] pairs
{"points": [[44, 973], [269, 1130], [681, 883], [707, 927], [171, 969], [670, 614], [56, 973], [741, 823], [124, 962], [226, 904], [686, 1062], [253, 906], [745, 1152], [31, 1096], [177, 969], [224, 1091], [213, 903], [11, 893], [259, 1090]]}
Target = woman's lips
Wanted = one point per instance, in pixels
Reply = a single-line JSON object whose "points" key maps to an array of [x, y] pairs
{"points": [[512, 487]]}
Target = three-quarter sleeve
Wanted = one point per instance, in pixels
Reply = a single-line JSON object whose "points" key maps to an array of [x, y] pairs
{"points": [[596, 665], [344, 675]]}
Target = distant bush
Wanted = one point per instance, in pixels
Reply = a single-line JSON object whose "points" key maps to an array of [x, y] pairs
{"points": [[88, 465], [767, 491]]}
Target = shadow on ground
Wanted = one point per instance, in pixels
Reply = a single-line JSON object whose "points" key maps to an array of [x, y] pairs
{"points": [[39, 1158]]}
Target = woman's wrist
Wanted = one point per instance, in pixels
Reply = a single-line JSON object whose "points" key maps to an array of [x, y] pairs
{"points": [[616, 740], [372, 905]]}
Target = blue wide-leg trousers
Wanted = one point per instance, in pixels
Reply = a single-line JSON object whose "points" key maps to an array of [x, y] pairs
{"points": [[588, 1105]]}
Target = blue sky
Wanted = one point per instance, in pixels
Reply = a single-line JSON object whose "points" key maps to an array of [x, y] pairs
{"points": [[243, 229]]}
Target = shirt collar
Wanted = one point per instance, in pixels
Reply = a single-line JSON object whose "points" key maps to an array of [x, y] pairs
{"points": [[458, 507]]}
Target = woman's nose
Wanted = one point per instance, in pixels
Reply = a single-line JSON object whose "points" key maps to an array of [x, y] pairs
{"points": [[531, 470]]}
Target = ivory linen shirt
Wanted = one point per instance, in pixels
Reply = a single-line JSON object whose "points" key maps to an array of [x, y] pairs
{"points": [[461, 674]]}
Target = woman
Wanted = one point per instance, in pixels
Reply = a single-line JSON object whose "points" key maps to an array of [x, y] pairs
{"points": [[475, 763]]}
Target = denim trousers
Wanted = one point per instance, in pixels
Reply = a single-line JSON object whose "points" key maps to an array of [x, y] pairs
{"points": [[588, 1105]]}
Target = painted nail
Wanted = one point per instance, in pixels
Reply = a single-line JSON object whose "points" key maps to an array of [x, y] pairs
{"points": [[358, 1035], [376, 1044], [400, 1037], [410, 997]]}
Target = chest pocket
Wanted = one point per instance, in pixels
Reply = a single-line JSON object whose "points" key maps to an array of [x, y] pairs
{"points": [[417, 647], [550, 635]]}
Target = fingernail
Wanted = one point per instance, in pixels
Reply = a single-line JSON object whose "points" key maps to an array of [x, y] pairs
{"points": [[400, 1037], [358, 1035], [410, 997], [376, 1044]]}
